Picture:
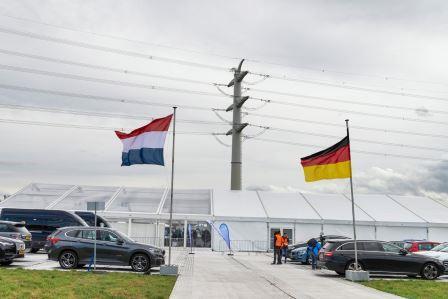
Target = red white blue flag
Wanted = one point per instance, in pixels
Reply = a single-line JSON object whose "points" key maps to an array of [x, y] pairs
{"points": [[145, 145]]}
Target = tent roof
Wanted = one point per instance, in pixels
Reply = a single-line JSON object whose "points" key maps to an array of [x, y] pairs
{"points": [[249, 205]]}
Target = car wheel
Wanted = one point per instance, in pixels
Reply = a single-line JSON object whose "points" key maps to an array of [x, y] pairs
{"points": [[140, 262], [34, 250], [68, 259], [430, 271], [351, 266], [6, 263]]}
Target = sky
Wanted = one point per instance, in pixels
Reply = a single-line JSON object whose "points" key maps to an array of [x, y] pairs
{"points": [[310, 49]]}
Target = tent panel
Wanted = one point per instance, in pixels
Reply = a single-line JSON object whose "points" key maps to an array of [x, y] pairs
{"points": [[298, 208], [335, 207], [143, 200], [304, 231], [390, 210], [36, 196], [438, 234], [189, 201], [398, 233], [427, 208], [365, 232], [78, 198], [237, 204]]}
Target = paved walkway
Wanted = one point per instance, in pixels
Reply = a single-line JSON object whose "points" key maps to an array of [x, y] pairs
{"points": [[209, 274]]}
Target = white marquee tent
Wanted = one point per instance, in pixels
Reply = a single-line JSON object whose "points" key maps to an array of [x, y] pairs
{"points": [[251, 216]]}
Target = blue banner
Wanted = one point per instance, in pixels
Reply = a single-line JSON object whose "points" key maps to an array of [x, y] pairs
{"points": [[225, 233]]}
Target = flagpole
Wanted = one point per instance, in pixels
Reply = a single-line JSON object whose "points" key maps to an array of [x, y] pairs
{"points": [[172, 186], [353, 199]]}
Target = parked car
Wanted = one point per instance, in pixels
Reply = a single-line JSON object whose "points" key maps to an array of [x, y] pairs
{"points": [[439, 252], [89, 218], [41, 223], [414, 246], [10, 249], [300, 252], [73, 247], [16, 230], [377, 257]]}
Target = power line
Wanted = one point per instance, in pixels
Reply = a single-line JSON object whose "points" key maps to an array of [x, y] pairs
{"points": [[104, 81], [102, 68], [351, 87], [318, 70], [103, 128], [360, 140], [333, 100], [100, 114], [178, 90], [332, 124], [148, 103], [144, 74], [355, 151], [200, 122], [99, 98], [123, 38], [111, 50]]}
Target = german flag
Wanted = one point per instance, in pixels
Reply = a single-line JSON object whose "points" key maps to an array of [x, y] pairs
{"points": [[331, 163]]}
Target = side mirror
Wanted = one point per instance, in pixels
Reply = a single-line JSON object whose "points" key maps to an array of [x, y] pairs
{"points": [[120, 242], [403, 252]]}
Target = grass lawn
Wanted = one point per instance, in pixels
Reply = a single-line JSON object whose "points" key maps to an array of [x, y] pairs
{"points": [[411, 288], [19, 283]]}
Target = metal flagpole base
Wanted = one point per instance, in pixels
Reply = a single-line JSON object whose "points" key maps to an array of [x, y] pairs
{"points": [[357, 275], [169, 270], [191, 253], [230, 254]]}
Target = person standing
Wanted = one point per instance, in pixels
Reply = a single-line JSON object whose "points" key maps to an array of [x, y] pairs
{"points": [[313, 249], [285, 243], [277, 248]]}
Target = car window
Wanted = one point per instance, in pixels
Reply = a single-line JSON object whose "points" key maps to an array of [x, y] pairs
{"points": [[407, 246], [88, 234], [424, 246], [107, 236], [391, 248], [6, 228], [370, 246], [329, 246], [73, 233], [348, 246], [440, 247]]}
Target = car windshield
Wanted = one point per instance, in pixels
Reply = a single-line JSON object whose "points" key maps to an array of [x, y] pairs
{"points": [[441, 247], [407, 245]]}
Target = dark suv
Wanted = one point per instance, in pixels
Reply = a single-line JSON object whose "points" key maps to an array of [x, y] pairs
{"points": [[73, 247], [377, 257], [16, 230], [9, 250], [41, 223]]}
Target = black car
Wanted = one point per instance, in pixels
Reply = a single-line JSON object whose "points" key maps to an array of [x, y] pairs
{"points": [[41, 223], [322, 238], [9, 250], [377, 257], [73, 247], [16, 230], [89, 218]]}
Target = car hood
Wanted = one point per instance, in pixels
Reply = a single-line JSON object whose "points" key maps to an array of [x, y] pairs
{"points": [[434, 254], [149, 247]]}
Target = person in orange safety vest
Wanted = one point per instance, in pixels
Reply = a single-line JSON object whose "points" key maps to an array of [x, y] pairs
{"points": [[278, 244], [285, 243]]}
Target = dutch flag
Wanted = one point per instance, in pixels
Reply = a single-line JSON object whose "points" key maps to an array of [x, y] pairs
{"points": [[145, 145]]}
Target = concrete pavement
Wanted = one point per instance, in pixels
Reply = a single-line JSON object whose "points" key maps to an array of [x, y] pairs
{"points": [[209, 274]]}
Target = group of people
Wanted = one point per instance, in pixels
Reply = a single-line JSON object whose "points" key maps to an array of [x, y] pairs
{"points": [[281, 248]]}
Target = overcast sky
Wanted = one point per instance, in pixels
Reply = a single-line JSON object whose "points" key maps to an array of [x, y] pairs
{"points": [[399, 46]]}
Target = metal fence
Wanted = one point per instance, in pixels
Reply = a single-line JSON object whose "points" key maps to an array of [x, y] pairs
{"points": [[243, 245]]}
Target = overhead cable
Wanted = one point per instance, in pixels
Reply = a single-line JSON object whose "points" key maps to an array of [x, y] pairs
{"points": [[110, 50]]}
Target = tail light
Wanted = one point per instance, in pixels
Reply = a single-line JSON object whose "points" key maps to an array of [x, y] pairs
{"points": [[328, 253], [53, 240]]}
